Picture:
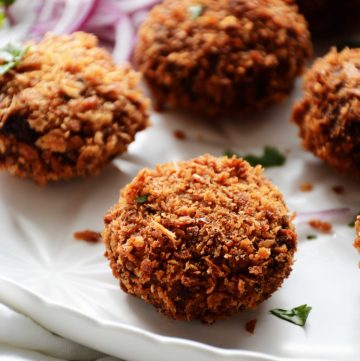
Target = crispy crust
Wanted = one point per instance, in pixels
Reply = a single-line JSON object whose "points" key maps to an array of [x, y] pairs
{"points": [[357, 230], [67, 109], [237, 55], [213, 238], [329, 113]]}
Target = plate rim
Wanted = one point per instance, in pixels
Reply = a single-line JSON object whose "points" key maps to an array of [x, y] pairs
{"points": [[156, 340]]}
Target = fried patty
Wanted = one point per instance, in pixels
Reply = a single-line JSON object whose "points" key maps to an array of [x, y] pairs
{"points": [[66, 109], [221, 56], [357, 230], [329, 113], [200, 239]]}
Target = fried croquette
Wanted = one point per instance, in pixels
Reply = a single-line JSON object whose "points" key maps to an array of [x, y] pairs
{"points": [[222, 56], [66, 109], [329, 113], [357, 230], [200, 239]]}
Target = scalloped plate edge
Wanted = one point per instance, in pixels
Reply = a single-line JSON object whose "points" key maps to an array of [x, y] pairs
{"points": [[119, 340]]}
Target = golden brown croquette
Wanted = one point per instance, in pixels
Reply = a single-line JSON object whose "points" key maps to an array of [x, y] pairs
{"points": [[221, 56], [66, 110], [200, 239], [357, 230], [329, 113]]}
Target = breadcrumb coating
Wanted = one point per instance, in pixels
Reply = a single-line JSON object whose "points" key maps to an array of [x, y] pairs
{"points": [[220, 56], [329, 113], [357, 230], [200, 239], [66, 109]]}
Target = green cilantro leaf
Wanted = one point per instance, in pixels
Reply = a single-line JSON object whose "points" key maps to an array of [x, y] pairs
{"points": [[10, 56], [352, 223], [142, 199], [3, 4], [196, 10], [297, 315], [271, 157], [6, 2], [229, 153], [311, 236], [2, 18]]}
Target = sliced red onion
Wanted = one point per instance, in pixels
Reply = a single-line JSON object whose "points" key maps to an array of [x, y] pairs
{"points": [[47, 16], [115, 22], [125, 38], [138, 17], [130, 6], [323, 215], [104, 20]]}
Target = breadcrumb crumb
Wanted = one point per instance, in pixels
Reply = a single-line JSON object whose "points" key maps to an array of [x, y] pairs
{"points": [[322, 226], [88, 236], [250, 326], [306, 187], [179, 134]]}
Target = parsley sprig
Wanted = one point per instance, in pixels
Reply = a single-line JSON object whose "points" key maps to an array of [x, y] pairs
{"points": [[142, 198], [10, 56], [271, 157], [3, 5], [297, 315], [196, 10]]}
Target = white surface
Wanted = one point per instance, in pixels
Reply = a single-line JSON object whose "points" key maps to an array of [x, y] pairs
{"points": [[67, 286], [18, 331]]}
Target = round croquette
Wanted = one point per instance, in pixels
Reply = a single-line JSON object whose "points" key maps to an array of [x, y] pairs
{"points": [[66, 109], [221, 56], [326, 17], [357, 230], [200, 239], [329, 113]]}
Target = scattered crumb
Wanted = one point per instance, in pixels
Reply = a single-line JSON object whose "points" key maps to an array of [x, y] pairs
{"points": [[357, 230], [338, 189], [250, 326], [321, 225], [179, 134], [88, 236], [306, 187]]}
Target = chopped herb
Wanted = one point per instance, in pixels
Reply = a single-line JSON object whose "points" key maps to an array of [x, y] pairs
{"points": [[297, 315], [311, 236], [2, 18], [229, 153], [10, 56], [271, 157], [352, 223], [6, 2], [3, 4], [142, 199], [196, 10]]}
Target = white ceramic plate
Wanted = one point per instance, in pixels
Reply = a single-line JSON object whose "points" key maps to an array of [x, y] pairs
{"points": [[67, 286]]}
